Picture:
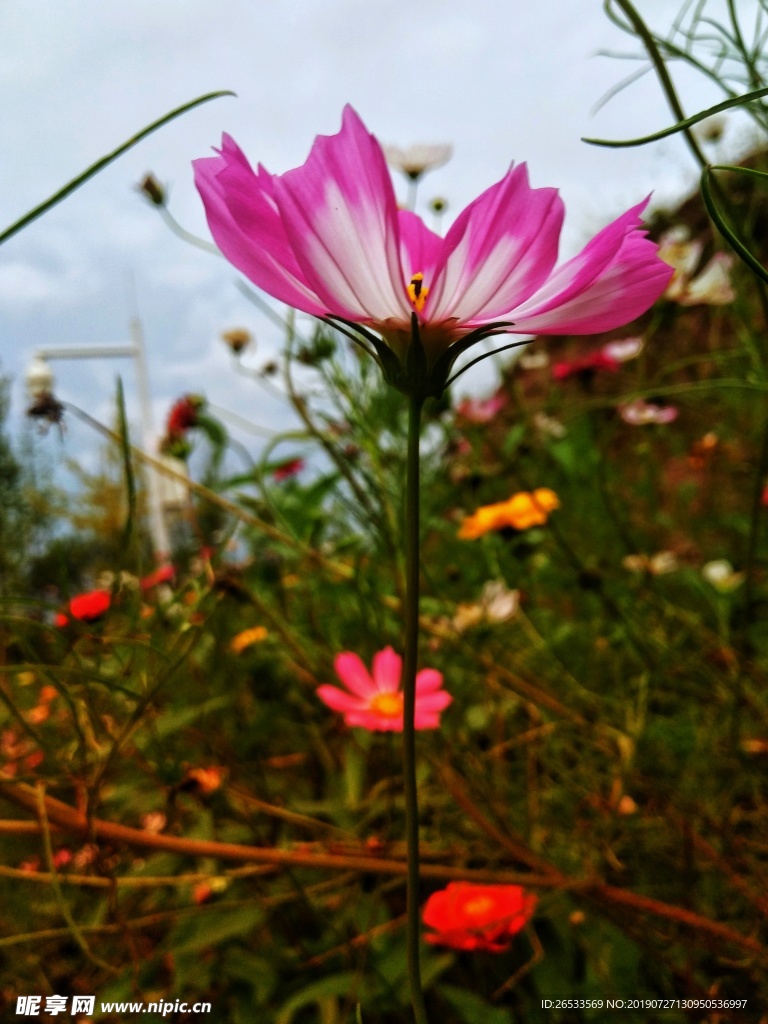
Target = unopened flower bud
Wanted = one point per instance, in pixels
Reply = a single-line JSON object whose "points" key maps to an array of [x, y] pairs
{"points": [[152, 189], [238, 338]]}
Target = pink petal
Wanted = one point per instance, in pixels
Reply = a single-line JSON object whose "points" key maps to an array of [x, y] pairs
{"points": [[246, 226], [433, 701], [338, 700], [340, 218], [499, 251], [420, 248], [428, 680], [375, 723], [355, 676], [423, 720], [614, 279], [387, 669]]}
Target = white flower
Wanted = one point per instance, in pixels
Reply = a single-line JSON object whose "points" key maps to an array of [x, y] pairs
{"points": [[721, 575], [549, 426], [625, 349], [417, 160], [711, 287], [640, 413], [497, 604], [657, 565], [535, 359]]}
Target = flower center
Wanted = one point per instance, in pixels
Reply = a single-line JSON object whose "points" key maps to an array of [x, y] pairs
{"points": [[390, 705], [478, 906], [417, 292]]}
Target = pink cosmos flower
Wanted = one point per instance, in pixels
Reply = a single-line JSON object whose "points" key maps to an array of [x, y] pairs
{"points": [[376, 702], [328, 239]]}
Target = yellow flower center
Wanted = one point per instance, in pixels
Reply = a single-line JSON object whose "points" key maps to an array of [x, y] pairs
{"points": [[390, 705], [478, 906], [417, 292]]}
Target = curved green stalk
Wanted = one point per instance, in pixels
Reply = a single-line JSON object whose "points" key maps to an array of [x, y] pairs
{"points": [[89, 172], [409, 703]]}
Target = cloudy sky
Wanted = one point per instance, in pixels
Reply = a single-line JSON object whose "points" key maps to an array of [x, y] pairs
{"points": [[500, 81]]}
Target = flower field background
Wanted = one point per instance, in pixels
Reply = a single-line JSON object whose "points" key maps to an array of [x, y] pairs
{"points": [[201, 786]]}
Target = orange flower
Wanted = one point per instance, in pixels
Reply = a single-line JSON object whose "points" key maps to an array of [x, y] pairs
{"points": [[207, 780], [467, 916], [247, 638], [521, 511]]}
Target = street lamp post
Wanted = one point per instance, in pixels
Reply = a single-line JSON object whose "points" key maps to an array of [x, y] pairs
{"points": [[40, 381]]}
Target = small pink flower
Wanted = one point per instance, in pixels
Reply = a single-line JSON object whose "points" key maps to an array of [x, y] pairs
{"points": [[586, 365], [376, 702], [640, 413], [481, 410], [328, 238]]}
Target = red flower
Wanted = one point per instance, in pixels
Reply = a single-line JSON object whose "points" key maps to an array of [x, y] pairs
{"points": [[86, 607], [466, 916], [588, 364], [183, 415], [288, 469], [164, 574]]}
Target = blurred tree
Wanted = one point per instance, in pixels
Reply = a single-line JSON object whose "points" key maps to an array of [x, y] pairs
{"points": [[102, 511], [27, 509]]}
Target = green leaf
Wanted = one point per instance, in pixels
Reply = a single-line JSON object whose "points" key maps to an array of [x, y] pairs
{"points": [[512, 441], [213, 927], [473, 1008], [726, 230], [130, 480], [736, 101], [257, 971], [317, 992], [173, 720]]}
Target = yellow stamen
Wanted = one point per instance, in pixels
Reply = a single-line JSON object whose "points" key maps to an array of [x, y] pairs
{"points": [[418, 292], [478, 906], [390, 705]]}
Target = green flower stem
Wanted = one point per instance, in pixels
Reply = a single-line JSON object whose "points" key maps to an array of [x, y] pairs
{"points": [[409, 704]]}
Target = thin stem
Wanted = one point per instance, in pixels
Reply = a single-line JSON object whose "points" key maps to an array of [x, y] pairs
{"points": [[89, 172], [409, 704]]}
